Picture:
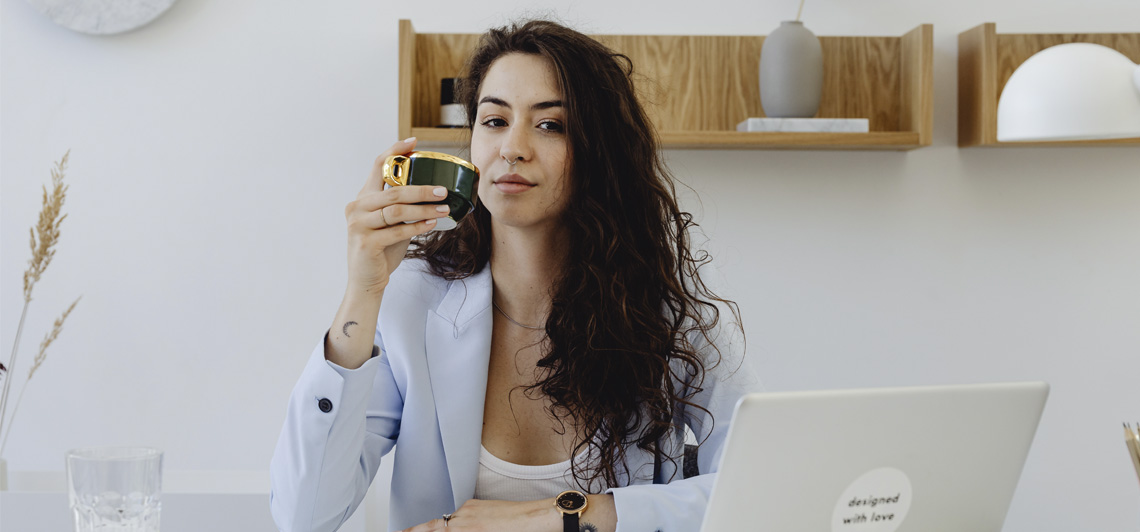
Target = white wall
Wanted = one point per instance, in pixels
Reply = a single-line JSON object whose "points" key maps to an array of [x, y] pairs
{"points": [[213, 152]]}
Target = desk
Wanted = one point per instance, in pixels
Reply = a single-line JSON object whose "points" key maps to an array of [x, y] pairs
{"points": [[192, 501], [30, 511]]}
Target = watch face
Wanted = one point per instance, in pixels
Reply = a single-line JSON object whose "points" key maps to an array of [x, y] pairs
{"points": [[571, 501]]}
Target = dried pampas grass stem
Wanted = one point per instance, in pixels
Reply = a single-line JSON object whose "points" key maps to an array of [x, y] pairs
{"points": [[44, 237], [51, 217], [40, 357], [49, 338]]}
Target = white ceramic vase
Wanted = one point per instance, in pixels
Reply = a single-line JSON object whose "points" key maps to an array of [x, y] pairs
{"points": [[791, 72]]}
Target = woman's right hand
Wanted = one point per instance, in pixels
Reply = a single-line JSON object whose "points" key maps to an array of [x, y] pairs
{"points": [[378, 236]]}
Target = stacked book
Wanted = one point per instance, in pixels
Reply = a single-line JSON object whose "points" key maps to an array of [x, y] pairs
{"points": [[806, 125]]}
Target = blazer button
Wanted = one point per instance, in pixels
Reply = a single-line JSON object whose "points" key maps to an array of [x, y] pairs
{"points": [[325, 405]]}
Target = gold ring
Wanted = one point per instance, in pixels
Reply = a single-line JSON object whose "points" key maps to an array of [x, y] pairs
{"points": [[383, 218]]}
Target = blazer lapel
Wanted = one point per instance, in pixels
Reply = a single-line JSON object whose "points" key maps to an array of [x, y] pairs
{"points": [[458, 350]]}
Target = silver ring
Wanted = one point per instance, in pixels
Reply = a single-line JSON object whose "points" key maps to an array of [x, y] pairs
{"points": [[446, 520]]}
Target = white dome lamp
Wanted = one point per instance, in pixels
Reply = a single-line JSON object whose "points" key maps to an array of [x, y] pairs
{"points": [[1075, 91]]}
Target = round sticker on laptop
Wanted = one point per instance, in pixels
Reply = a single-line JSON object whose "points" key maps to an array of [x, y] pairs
{"points": [[876, 502]]}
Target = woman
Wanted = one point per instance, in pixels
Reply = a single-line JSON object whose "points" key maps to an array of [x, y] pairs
{"points": [[559, 339]]}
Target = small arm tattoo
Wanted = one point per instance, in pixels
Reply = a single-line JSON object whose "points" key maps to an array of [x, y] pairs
{"points": [[345, 329], [587, 527]]}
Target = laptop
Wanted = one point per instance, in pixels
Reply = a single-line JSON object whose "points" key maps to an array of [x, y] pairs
{"points": [[921, 459]]}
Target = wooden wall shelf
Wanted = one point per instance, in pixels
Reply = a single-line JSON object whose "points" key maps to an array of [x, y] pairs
{"points": [[697, 88], [987, 59]]}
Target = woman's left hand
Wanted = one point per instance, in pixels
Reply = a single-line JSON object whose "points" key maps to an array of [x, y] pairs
{"points": [[496, 516]]}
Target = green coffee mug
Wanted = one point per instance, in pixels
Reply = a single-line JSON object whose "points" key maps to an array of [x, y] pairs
{"points": [[459, 177]]}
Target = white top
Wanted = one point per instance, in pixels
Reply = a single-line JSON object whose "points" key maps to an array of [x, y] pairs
{"points": [[501, 480]]}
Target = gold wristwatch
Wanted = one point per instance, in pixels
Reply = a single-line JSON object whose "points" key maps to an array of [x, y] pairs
{"points": [[570, 504]]}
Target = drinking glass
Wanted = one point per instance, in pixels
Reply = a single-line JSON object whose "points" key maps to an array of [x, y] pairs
{"points": [[115, 489]]}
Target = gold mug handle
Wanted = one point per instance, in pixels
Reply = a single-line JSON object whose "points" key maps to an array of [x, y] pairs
{"points": [[395, 170]]}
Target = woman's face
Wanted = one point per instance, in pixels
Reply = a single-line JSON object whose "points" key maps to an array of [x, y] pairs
{"points": [[520, 118]]}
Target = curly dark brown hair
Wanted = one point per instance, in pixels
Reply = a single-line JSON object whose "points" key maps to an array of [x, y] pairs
{"points": [[630, 303]]}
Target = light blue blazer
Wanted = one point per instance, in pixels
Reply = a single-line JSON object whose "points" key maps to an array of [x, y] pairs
{"points": [[424, 390]]}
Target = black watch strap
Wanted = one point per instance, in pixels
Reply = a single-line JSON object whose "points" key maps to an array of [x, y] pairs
{"points": [[570, 522]]}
